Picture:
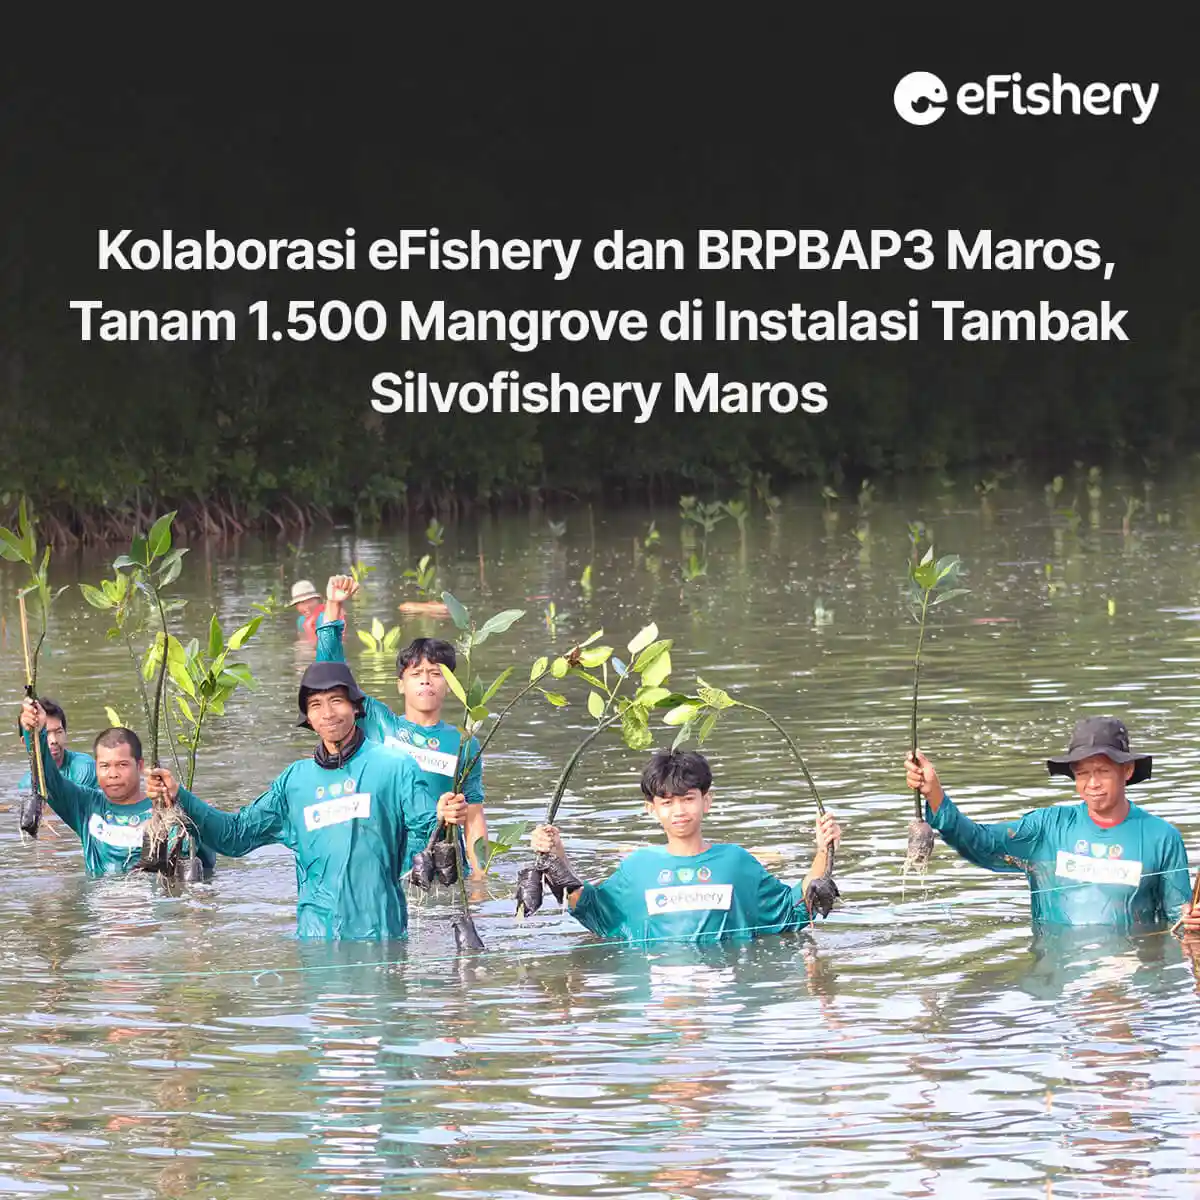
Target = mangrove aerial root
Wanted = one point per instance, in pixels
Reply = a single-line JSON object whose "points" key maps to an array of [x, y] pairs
{"points": [[466, 936], [32, 806], [162, 840], [529, 890], [920, 849]]}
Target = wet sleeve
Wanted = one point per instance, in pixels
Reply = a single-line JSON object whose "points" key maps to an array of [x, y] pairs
{"points": [[83, 769], [418, 810], [1005, 846], [780, 905], [71, 801], [603, 908], [329, 641], [1176, 878], [473, 785], [262, 822]]}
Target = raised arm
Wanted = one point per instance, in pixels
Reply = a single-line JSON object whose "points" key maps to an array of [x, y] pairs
{"points": [[331, 629], [71, 801]]}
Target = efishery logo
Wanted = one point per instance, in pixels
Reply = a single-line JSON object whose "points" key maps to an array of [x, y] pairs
{"points": [[921, 98]]}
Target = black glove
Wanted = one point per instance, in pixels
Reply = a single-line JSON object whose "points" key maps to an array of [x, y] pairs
{"points": [[559, 876]]}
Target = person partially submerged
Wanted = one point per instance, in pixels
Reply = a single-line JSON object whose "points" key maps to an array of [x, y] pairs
{"points": [[691, 889], [353, 814], [110, 819], [420, 732], [1104, 861], [74, 764]]}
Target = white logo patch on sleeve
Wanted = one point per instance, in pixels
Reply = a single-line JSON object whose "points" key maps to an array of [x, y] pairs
{"points": [[436, 762], [336, 812], [695, 898], [128, 837], [1121, 871]]}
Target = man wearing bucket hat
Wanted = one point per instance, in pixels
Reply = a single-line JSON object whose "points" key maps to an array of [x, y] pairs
{"points": [[306, 600], [354, 815], [1105, 861]]}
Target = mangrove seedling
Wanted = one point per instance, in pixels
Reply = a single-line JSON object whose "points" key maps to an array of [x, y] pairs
{"points": [[380, 640], [21, 546], [930, 583], [442, 859], [651, 665], [699, 714]]}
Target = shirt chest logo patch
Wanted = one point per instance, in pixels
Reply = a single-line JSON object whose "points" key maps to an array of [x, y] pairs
{"points": [[1081, 846], [436, 762], [717, 896], [1099, 849], [1115, 851], [704, 874], [353, 807], [1121, 872], [685, 874], [664, 876], [114, 833]]}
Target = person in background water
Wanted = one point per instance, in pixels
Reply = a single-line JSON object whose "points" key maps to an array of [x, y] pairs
{"points": [[72, 764], [1102, 862], [691, 889], [109, 819], [420, 733], [306, 600], [353, 814]]}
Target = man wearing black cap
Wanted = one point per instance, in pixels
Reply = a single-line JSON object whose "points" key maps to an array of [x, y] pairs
{"points": [[354, 814], [1103, 862]]}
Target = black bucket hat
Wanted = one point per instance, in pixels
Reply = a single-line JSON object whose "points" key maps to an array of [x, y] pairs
{"points": [[1100, 735], [324, 677]]}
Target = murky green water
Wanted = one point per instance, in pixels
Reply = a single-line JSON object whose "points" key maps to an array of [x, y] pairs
{"points": [[157, 1046]]}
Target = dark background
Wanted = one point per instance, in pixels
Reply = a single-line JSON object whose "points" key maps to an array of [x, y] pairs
{"points": [[524, 128]]}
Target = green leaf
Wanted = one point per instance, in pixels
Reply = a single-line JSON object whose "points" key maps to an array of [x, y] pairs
{"points": [[643, 639], [241, 636], [497, 684], [714, 697], [482, 850], [475, 693], [538, 668], [114, 717], [122, 561], [685, 732], [242, 673], [180, 676], [510, 834], [648, 697], [11, 548], [706, 727], [216, 638], [171, 567], [595, 637], [650, 654], [502, 621], [684, 712], [479, 713], [950, 564], [595, 656], [95, 597], [595, 704], [618, 666], [925, 576], [458, 614], [657, 671], [159, 541], [366, 639], [928, 557], [587, 677], [186, 710], [950, 595], [556, 698], [559, 668], [455, 686], [635, 728], [152, 659], [392, 640], [377, 629]]}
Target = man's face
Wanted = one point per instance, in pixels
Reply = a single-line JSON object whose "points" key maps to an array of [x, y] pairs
{"points": [[308, 607], [118, 773], [1100, 782], [680, 816], [56, 735], [331, 714], [423, 687]]}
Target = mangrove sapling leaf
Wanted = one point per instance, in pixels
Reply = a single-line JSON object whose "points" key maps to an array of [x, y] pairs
{"points": [[931, 582], [698, 715]]}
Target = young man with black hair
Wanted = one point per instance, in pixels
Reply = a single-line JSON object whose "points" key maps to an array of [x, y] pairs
{"points": [[691, 889], [72, 764], [110, 818], [353, 814], [420, 733]]}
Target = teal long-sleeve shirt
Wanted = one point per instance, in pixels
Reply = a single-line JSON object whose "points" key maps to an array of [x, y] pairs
{"points": [[353, 829], [1079, 873], [77, 767], [111, 833], [724, 892]]}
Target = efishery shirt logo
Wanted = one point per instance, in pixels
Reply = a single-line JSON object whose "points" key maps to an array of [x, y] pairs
{"points": [[689, 899], [128, 837], [1124, 872], [336, 812], [921, 98], [436, 762]]}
